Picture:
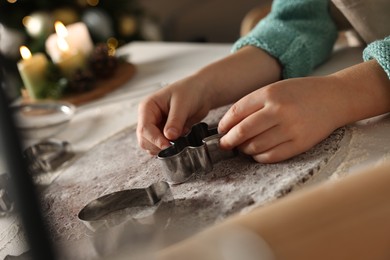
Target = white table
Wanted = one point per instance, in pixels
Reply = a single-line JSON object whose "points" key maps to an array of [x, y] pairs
{"points": [[161, 63]]}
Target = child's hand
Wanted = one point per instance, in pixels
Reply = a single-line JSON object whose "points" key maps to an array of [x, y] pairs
{"points": [[170, 112], [288, 117], [283, 119]]}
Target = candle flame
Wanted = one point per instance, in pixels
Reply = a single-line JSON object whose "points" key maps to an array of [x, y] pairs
{"points": [[62, 44], [25, 52], [61, 29]]}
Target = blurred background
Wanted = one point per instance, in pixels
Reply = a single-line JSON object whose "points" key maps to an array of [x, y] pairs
{"points": [[116, 22]]}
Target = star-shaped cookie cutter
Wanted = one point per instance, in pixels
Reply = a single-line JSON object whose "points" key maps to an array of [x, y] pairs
{"points": [[194, 153]]}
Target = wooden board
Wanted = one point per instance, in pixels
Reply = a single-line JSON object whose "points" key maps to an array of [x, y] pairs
{"points": [[124, 72]]}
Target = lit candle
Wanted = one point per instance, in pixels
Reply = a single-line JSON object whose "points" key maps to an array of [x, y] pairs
{"points": [[32, 69], [69, 60], [77, 37]]}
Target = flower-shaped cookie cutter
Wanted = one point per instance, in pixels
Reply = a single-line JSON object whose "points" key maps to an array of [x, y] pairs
{"points": [[150, 205], [194, 153]]}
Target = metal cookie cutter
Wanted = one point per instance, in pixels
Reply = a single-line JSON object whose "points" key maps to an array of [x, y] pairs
{"points": [[192, 154], [6, 204], [151, 205], [48, 155]]}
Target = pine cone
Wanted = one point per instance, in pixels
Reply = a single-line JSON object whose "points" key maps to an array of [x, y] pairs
{"points": [[81, 81], [101, 63]]}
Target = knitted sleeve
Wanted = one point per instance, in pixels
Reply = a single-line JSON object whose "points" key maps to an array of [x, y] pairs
{"points": [[379, 50], [299, 33]]}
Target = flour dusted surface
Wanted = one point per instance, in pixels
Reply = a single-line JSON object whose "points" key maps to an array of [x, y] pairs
{"points": [[234, 185]]}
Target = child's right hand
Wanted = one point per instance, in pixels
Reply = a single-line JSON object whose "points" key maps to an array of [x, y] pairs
{"points": [[170, 112]]}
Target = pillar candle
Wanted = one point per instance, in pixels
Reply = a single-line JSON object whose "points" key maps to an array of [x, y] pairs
{"points": [[69, 60], [33, 69], [77, 37]]}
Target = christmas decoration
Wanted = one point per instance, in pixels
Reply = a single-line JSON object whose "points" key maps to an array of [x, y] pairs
{"points": [[99, 23], [32, 69], [10, 40], [38, 24], [67, 15], [101, 63], [75, 36], [81, 81], [55, 83], [31, 23], [121, 19], [127, 25]]}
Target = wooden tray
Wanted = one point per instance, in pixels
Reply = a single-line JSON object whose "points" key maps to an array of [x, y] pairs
{"points": [[123, 73]]}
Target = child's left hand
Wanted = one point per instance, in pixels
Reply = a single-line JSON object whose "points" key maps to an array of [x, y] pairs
{"points": [[285, 119]]}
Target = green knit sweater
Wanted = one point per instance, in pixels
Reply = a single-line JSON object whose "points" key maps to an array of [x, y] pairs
{"points": [[301, 35]]}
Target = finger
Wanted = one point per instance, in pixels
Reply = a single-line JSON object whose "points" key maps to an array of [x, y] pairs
{"points": [[150, 138], [279, 153], [265, 141], [153, 150], [149, 134], [239, 111], [253, 125], [177, 117], [190, 122]]}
